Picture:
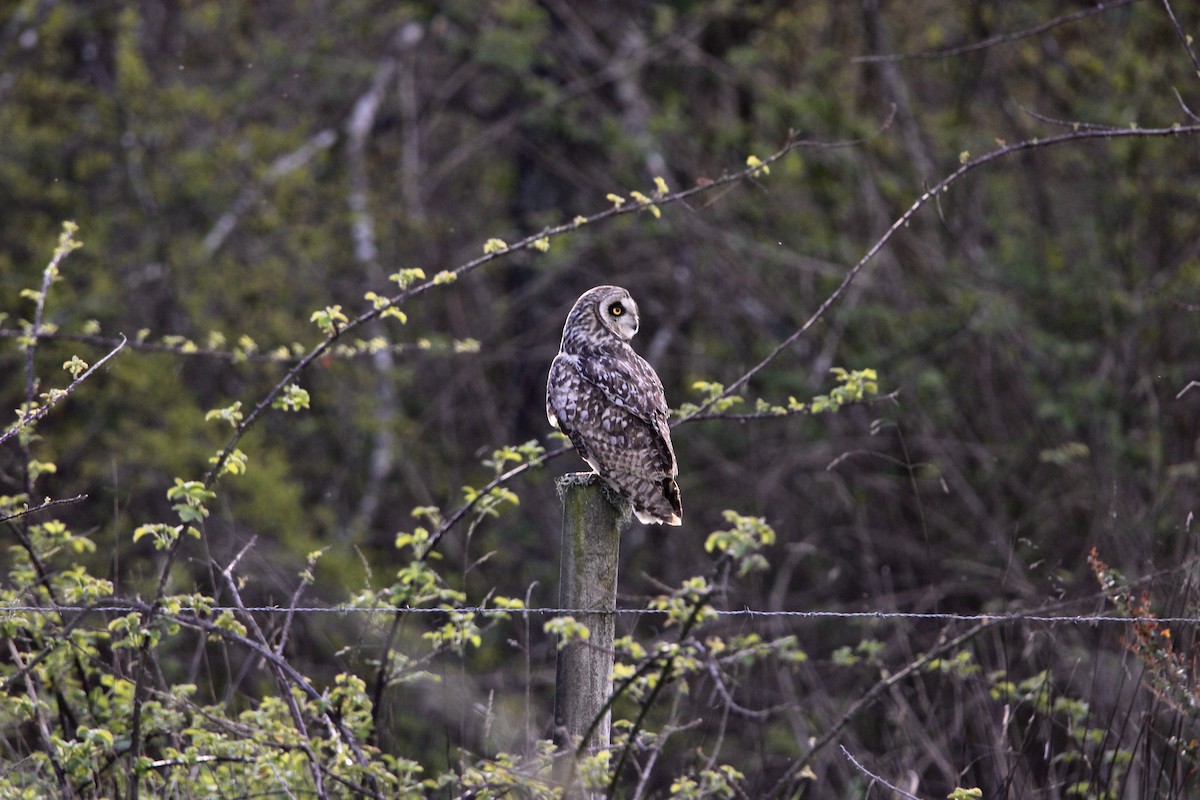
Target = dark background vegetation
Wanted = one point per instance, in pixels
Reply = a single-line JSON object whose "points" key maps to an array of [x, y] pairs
{"points": [[235, 166]]}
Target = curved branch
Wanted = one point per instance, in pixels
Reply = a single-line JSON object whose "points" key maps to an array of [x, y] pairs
{"points": [[1184, 39], [821, 742], [992, 41], [920, 202]]}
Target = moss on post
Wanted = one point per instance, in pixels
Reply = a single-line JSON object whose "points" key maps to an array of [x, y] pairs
{"points": [[591, 535]]}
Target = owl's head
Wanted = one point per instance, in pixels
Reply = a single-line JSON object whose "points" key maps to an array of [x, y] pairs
{"points": [[604, 309]]}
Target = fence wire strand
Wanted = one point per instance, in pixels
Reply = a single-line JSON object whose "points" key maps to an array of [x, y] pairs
{"points": [[1078, 619]]}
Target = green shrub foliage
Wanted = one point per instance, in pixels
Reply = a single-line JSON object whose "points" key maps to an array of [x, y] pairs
{"points": [[277, 494]]}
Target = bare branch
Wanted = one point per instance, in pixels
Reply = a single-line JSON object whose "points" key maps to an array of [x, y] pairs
{"points": [[727, 698], [875, 777], [993, 41], [531, 241], [1184, 106], [43, 506], [33, 690], [1184, 39], [869, 699], [925, 198], [280, 167]]}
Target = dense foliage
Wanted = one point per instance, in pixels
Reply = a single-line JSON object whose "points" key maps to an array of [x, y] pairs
{"points": [[327, 250]]}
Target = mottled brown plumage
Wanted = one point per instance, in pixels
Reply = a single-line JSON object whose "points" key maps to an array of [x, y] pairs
{"points": [[610, 403]]}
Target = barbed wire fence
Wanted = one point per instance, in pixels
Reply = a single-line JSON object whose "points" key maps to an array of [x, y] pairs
{"points": [[1013, 617]]}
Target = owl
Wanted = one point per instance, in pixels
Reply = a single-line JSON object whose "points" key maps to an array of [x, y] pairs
{"points": [[610, 404]]}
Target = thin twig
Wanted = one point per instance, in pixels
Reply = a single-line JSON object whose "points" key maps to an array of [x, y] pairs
{"points": [[494, 253], [920, 202], [47, 740], [43, 506], [284, 689], [1072, 124], [305, 581], [992, 41], [1184, 106], [1191, 385], [875, 777], [55, 398], [1184, 39], [868, 699], [189, 349], [715, 673], [251, 194], [663, 675]]}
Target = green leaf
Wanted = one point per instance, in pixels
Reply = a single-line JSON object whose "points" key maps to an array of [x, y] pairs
{"points": [[757, 166], [292, 398], [965, 794], [406, 277], [76, 366], [329, 319], [231, 414], [567, 629]]}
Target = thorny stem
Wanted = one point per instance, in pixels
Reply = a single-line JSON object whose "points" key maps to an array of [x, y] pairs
{"points": [[918, 204], [401, 297], [188, 349], [821, 742], [43, 727], [662, 681], [28, 419], [701, 412]]}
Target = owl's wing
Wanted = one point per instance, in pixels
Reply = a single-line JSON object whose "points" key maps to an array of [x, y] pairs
{"points": [[630, 383]]}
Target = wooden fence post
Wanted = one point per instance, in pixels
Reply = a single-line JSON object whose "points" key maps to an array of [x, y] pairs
{"points": [[587, 580]]}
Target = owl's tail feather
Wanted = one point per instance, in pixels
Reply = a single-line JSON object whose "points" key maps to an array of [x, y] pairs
{"points": [[655, 502]]}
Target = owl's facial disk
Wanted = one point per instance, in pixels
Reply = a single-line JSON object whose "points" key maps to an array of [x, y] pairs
{"points": [[620, 314]]}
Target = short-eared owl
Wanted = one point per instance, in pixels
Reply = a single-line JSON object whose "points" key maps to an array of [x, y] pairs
{"points": [[610, 403]]}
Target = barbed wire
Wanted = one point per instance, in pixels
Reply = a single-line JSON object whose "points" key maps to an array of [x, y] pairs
{"points": [[944, 616]]}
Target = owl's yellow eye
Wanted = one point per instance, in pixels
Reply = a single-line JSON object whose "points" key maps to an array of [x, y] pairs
{"points": [[616, 309]]}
